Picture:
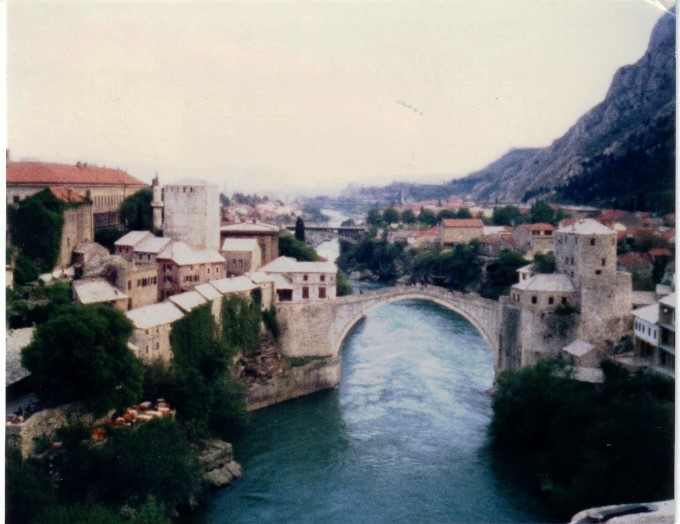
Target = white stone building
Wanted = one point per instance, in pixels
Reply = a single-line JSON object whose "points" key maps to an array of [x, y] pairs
{"points": [[192, 213], [151, 337], [309, 281], [243, 255], [654, 330]]}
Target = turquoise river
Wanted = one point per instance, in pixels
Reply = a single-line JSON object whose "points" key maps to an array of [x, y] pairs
{"points": [[402, 439]]}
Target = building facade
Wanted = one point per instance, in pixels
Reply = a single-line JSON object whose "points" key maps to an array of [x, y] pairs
{"points": [[106, 188], [461, 230], [192, 213], [181, 268], [267, 237], [309, 281]]}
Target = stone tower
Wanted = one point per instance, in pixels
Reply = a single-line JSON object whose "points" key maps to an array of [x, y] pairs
{"points": [[157, 204], [192, 213], [583, 249]]}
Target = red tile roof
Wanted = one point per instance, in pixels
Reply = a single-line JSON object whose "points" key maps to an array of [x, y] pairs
{"points": [[537, 227], [41, 173], [67, 195], [660, 252], [630, 258], [462, 222]]}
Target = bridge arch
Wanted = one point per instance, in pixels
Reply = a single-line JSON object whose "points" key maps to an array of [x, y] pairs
{"points": [[481, 313]]}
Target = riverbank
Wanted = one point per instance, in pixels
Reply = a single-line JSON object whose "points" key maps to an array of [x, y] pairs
{"points": [[273, 379]]}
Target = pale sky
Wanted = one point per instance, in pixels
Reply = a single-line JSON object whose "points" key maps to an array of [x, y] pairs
{"points": [[308, 96]]}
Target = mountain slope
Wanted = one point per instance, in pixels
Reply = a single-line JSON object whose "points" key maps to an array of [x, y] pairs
{"points": [[628, 140]]}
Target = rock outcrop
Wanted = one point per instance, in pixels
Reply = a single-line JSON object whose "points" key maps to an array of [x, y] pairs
{"points": [[216, 457]]}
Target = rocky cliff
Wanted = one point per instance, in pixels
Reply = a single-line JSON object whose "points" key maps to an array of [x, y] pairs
{"points": [[626, 143]]}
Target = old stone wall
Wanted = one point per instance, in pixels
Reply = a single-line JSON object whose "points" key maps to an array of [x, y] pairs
{"points": [[317, 375], [510, 343], [606, 304], [306, 328], [153, 343], [543, 334], [78, 227]]}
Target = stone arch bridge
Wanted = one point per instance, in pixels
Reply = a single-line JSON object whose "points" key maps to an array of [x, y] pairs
{"points": [[319, 328]]}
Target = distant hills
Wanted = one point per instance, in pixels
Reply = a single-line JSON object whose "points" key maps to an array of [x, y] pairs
{"points": [[621, 153]]}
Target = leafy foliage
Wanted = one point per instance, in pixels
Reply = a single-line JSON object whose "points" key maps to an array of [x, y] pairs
{"points": [[81, 353], [34, 305], [408, 217], [241, 318], [27, 488], [25, 270], [154, 459], [342, 285], [593, 448], [207, 397], [427, 217], [136, 213], [79, 514], [390, 216], [544, 263], [270, 322], [36, 226], [289, 246], [502, 274], [107, 236], [506, 216]]}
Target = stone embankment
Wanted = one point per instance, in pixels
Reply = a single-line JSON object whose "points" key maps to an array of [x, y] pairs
{"points": [[216, 458], [273, 379]]}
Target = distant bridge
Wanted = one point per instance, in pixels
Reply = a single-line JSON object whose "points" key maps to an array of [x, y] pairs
{"points": [[319, 328], [350, 232]]}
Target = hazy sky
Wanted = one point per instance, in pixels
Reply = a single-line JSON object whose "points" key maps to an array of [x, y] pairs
{"points": [[309, 96]]}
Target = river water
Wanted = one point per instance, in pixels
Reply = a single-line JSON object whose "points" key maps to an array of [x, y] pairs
{"points": [[403, 439]]}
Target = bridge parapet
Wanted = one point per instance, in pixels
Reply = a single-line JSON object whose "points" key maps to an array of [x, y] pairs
{"points": [[319, 328]]}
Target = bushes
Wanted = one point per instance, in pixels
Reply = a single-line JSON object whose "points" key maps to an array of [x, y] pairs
{"points": [[590, 447], [289, 246]]}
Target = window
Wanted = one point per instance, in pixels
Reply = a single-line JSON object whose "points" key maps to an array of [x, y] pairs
{"points": [[208, 271], [613, 241], [305, 277], [129, 285], [534, 300], [305, 292], [322, 278], [322, 292], [604, 262], [68, 241], [217, 270], [564, 301], [551, 300], [598, 271], [15, 199], [592, 241]]}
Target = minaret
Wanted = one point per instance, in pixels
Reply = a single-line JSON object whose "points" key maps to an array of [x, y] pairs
{"points": [[157, 204]]}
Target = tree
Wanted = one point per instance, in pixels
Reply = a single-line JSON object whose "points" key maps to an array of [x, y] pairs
{"points": [[463, 212], [81, 354], [502, 274], [343, 286], [446, 213], [224, 200], [544, 263], [390, 216], [408, 216], [36, 228], [427, 217], [374, 218], [25, 270], [299, 229], [289, 246], [136, 213], [155, 460], [506, 216]]}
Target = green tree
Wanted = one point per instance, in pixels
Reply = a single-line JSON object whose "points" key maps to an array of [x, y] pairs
{"points": [[463, 212], [289, 246], [136, 213], [79, 514], [299, 229], [374, 218], [224, 200], [408, 217], [446, 213], [343, 286], [390, 216], [36, 226], [544, 263], [502, 274], [107, 237], [81, 353], [25, 270], [427, 217], [155, 460], [506, 216]]}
